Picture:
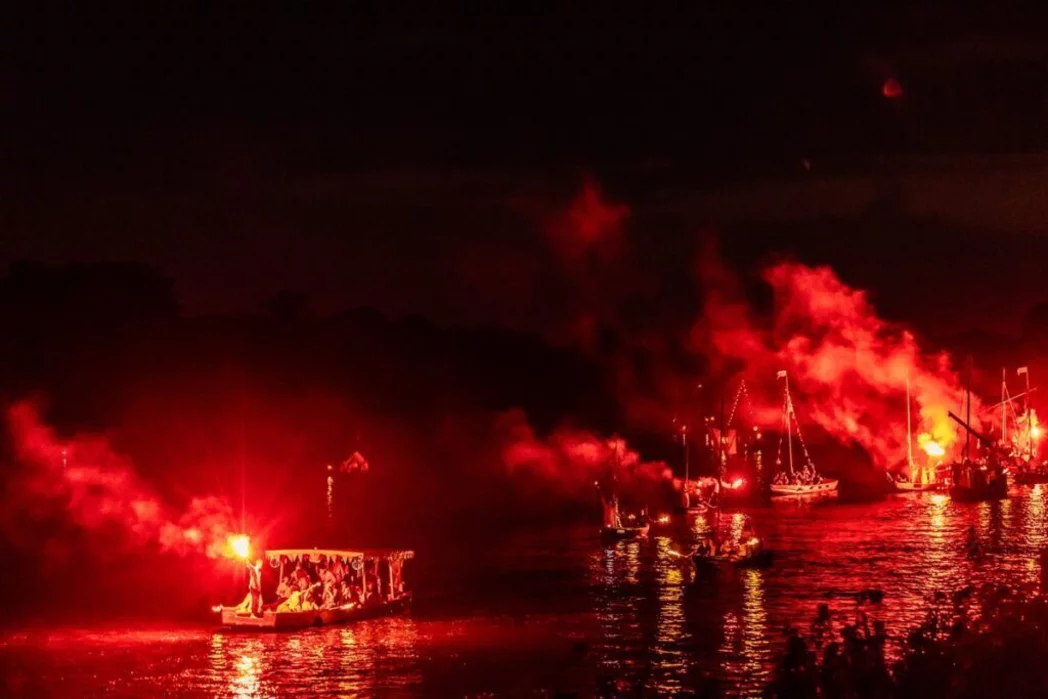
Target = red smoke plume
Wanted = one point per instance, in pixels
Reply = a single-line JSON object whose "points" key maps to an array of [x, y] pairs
{"points": [[99, 488], [570, 461], [591, 223], [849, 366]]}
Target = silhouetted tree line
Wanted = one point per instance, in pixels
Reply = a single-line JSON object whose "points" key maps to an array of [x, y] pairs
{"points": [[263, 403]]}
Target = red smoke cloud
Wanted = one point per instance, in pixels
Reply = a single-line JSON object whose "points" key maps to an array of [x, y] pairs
{"points": [[590, 223], [570, 460], [99, 488], [849, 366]]}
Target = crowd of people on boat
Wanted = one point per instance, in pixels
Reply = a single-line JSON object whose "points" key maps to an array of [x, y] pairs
{"points": [[747, 546], [807, 475], [327, 585]]}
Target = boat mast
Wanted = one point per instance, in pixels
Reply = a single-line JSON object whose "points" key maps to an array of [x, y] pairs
{"points": [[968, 418], [1025, 371], [684, 439], [720, 466], [788, 407], [909, 430], [1004, 407]]}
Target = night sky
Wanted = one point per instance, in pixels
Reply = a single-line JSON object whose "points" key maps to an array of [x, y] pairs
{"points": [[412, 160]]}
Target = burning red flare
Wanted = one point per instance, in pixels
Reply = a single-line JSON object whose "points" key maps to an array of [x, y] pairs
{"points": [[239, 545]]}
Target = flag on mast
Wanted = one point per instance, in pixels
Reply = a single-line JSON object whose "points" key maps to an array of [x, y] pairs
{"points": [[1022, 370], [781, 374]]}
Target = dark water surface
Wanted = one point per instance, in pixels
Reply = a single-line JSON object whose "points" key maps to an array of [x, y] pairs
{"points": [[549, 611]]}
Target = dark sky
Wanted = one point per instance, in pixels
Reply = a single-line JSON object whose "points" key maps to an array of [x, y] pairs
{"points": [[409, 159]]}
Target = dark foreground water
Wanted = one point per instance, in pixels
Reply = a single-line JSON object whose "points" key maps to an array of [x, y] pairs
{"points": [[551, 611]]}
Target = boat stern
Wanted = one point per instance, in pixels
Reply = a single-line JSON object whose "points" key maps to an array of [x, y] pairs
{"points": [[231, 617]]}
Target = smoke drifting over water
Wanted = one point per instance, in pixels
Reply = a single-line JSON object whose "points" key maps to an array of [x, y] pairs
{"points": [[849, 366], [98, 488], [571, 461]]}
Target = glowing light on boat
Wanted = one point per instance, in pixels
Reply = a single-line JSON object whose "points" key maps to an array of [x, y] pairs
{"points": [[664, 519], [737, 483], [1035, 432], [239, 545], [932, 448]]}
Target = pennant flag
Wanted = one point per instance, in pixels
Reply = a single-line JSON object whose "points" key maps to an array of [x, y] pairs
{"points": [[781, 374], [354, 464], [731, 442], [1022, 370]]}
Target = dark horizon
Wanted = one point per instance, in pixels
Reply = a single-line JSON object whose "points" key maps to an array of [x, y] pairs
{"points": [[413, 164]]}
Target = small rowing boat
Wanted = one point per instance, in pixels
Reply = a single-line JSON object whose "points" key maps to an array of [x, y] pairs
{"points": [[760, 559], [741, 547], [625, 532]]}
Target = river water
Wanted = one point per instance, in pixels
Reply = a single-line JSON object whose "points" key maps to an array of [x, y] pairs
{"points": [[554, 611]]}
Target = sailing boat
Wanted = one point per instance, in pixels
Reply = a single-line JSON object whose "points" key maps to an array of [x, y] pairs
{"points": [[692, 490], [919, 482], [807, 481], [1028, 432], [977, 480], [614, 525]]}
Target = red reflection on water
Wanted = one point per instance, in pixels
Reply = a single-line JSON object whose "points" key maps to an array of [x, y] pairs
{"points": [[549, 612]]}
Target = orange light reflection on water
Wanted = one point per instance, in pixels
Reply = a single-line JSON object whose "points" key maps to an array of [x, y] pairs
{"points": [[670, 659], [247, 682]]}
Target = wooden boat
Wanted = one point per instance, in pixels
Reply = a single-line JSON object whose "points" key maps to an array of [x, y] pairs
{"points": [[638, 532], [971, 480], [974, 482], [382, 568], [822, 487], [1030, 476], [789, 482], [1024, 467], [615, 526], [762, 559]]}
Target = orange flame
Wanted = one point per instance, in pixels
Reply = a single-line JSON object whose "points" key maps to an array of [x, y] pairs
{"points": [[931, 447]]}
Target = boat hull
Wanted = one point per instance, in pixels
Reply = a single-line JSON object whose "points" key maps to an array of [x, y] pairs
{"points": [[906, 487], [234, 620], [760, 560], [617, 533], [996, 491], [1033, 478], [801, 489]]}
